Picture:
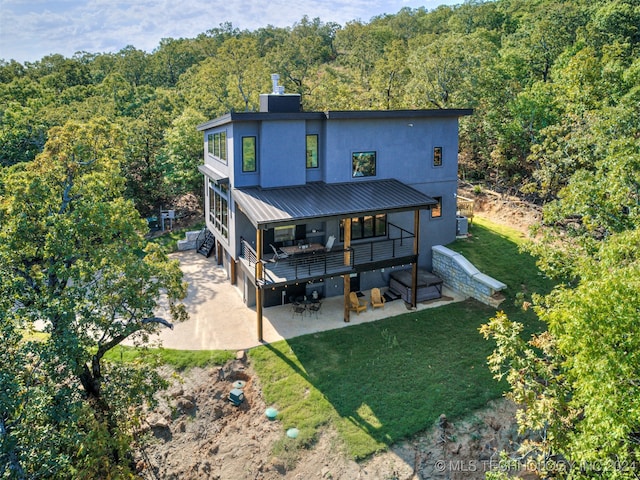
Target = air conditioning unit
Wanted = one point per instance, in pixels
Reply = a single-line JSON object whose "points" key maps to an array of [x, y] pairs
{"points": [[462, 226]]}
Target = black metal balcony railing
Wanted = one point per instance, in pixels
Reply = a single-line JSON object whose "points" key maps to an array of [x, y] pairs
{"points": [[318, 264]]}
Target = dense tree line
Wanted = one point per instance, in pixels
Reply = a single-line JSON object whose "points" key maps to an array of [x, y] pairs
{"points": [[555, 88], [538, 74]]}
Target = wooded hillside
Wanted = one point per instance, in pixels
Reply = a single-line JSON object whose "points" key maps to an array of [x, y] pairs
{"points": [[552, 83], [555, 88]]}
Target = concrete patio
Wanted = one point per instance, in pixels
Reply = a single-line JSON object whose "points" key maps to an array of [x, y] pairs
{"points": [[219, 320]]}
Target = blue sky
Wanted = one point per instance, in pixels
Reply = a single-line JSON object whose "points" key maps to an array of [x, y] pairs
{"points": [[31, 29]]}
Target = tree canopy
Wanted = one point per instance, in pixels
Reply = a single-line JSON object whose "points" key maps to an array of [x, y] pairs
{"points": [[75, 265], [536, 74], [91, 144]]}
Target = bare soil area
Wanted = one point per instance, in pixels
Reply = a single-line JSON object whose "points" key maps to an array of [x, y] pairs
{"points": [[502, 209], [197, 433]]}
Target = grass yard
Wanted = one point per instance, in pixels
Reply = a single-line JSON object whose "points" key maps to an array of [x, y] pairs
{"points": [[169, 240], [178, 359], [383, 381]]}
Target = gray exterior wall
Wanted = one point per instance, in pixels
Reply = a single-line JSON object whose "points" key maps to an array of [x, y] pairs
{"points": [[403, 144]]}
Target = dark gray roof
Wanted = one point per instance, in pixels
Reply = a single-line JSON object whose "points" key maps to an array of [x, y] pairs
{"points": [[269, 207], [333, 115]]}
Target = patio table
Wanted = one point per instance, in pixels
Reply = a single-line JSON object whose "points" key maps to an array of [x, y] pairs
{"points": [[299, 250]]}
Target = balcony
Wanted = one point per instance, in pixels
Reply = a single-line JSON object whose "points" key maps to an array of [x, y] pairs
{"points": [[361, 256]]}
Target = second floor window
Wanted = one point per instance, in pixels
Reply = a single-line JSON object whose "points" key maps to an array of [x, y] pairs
{"points": [[312, 151], [217, 145], [363, 164], [437, 156], [366, 227], [249, 163]]}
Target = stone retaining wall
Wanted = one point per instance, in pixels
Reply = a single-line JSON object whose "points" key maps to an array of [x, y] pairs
{"points": [[460, 275], [189, 243]]}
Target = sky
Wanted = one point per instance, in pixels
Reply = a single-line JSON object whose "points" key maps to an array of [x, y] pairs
{"points": [[32, 29]]}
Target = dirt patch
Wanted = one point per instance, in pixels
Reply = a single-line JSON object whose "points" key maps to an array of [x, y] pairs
{"points": [[197, 433], [501, 208]]}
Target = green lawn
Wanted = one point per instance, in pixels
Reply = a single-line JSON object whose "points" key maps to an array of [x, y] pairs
{"points": [[384, 381], [169, 239], [178, 359]]}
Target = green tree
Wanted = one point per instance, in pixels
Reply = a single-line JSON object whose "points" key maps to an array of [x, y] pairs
{"points": [[542, 36], [446, 68], [389, 77], [360, 46], [182, 154], [578, 382], [22, 136], [133, 64], [296, 54], [145, 141], [75, 263], [171, 59], [232, 80]]}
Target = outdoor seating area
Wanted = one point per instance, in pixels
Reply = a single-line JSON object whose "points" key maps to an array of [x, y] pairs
{"points": [[236, 329], [305, 306], [286, 261]]}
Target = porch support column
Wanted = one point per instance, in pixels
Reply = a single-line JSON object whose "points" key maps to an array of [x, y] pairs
{"points": [[259, 276], [219, 253], [414, 271], [347, 261], [233, 271]]}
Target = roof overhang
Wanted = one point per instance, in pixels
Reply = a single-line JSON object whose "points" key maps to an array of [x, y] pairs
{"points": [[267, 208], [234, 117], [212, 174]]}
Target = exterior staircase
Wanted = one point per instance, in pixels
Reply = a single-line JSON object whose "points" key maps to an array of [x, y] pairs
{"points": [[205, 243]]}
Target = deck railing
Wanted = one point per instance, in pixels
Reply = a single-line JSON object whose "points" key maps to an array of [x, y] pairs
{"points": [[398, 244]]}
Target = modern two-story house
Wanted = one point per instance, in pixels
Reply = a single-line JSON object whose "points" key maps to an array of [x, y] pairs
{"points": [[327, 202]]}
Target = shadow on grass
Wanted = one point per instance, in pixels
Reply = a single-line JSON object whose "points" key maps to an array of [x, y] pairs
{"points": [[383, 381]]}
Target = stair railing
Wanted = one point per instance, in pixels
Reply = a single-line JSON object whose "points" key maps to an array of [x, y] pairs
{"points": [[201, 238]]}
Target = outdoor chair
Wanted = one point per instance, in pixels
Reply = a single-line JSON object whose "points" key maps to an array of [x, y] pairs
{"points": [[329, 244], [377, 300], [298, 309], [277, 254], [315, 308], [355, 304]]}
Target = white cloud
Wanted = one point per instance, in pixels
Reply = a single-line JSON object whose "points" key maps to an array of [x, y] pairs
{"points": [[30, 30]]}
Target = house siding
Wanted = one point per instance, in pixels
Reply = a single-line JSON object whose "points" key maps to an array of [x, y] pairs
{"points": [[404, 143]]}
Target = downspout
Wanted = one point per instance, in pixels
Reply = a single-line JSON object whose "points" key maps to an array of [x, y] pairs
{"points": [[259, 275], [347, 261], [414, 270]]}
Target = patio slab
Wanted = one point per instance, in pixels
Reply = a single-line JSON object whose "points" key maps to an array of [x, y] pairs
{"points": [[219, 320]]}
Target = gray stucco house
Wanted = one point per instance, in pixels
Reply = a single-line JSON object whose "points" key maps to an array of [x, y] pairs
{"points": [[327, 202]]}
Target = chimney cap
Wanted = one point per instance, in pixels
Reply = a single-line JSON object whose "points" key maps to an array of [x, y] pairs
{"points": [[277, 89]]}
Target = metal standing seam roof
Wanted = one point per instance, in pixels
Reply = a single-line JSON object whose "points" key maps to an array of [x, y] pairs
{"points": [[268, 207]]}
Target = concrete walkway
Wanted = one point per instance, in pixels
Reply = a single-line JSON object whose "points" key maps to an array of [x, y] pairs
{"points": [[219, 320]]}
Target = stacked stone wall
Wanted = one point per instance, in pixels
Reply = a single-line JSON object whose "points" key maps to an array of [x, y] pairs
{"points": [[189, 242], [462, 276]]}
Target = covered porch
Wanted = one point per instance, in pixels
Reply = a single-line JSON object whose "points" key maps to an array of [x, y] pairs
{"points": [[268, 266], [395, 249]]}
